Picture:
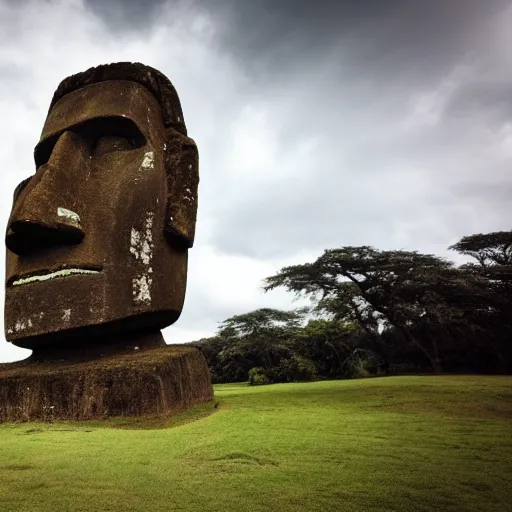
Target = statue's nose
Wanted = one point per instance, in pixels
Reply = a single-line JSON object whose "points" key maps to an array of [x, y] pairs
{"points": [[46, 212]]}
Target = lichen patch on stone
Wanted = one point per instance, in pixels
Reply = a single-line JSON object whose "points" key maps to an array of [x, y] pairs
{"points": [[141, 242], [68, 214], [148, 163], [20, 325], [188, 196], [52, 275], [24, 324], [141, 288], [141, 247]]}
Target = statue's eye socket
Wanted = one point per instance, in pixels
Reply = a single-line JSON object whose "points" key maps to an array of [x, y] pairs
{"points": [[103, 136], [109, 143], [19, 188]]}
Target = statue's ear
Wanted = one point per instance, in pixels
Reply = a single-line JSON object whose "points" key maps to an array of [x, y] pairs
{"points": [[182, 170]]}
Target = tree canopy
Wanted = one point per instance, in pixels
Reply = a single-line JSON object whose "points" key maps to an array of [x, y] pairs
{"points": [[375, 311]]}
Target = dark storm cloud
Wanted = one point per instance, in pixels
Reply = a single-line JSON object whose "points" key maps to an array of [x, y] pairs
{"points": [[489, 96], [126, 15], [348, 73], [351, 73], [274, 34], [411, 37]]}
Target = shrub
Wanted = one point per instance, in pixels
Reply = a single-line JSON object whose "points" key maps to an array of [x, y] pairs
{"points": [[296, 369], [358, 365], [258, 377]]}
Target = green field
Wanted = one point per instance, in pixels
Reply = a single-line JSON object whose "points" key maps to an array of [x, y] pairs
{"points": [[383, 444]]}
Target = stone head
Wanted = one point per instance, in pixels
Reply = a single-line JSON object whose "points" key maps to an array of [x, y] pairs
{"points": [[98, 237]]}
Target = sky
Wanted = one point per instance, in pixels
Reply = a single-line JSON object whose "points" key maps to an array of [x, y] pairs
{"points": [[319, 124]]}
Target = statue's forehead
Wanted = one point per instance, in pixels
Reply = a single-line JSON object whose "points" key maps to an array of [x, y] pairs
{"points": [[105, 99]]}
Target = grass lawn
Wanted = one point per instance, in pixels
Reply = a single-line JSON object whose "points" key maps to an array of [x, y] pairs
{"points": [[383, 444]]}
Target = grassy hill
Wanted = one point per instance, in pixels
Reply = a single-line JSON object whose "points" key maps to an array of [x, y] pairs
{"points": [[383, 444]]}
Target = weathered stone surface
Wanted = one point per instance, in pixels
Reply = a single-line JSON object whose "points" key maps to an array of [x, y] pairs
{"points": [[98, 237], [157, 381], [97, 250]]}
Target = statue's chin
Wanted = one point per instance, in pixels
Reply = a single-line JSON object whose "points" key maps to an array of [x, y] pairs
{"points": [[82, 306], [123, 330]]}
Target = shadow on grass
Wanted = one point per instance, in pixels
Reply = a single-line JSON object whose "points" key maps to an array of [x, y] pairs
{"points": [[177, 419]]}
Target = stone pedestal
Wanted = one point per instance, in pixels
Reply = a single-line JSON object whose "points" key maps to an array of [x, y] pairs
{"points": [[153, 382]]}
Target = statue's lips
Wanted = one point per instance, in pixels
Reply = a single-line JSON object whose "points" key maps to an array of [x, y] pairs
{"points": [[45, 275]]}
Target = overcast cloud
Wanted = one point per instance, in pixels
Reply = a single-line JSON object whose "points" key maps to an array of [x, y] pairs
{"points": [[319, 124]]}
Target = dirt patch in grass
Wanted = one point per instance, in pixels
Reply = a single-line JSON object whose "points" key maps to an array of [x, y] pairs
{"points": [[245, 458], [16, 467]]}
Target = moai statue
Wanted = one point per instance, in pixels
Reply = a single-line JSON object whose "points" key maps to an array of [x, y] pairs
{"points": [[98, 237], [97, 245]]}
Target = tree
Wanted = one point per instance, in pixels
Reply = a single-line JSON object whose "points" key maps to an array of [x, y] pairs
{"points": [[492, 255], [264, 339], [224, 362], [260, 322], [489, 249], [328, 342], [379, 289]]}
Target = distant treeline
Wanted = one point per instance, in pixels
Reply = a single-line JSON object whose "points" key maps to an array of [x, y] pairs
{"points": [[377, 312]]}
